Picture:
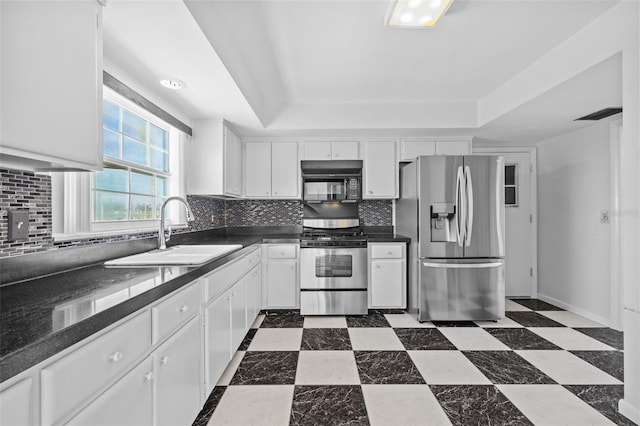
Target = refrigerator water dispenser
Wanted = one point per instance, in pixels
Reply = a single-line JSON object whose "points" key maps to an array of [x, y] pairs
{"points": [[442, 222]]}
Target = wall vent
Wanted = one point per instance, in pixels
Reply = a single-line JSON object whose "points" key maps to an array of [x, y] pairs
{"points": [[599, 115]]}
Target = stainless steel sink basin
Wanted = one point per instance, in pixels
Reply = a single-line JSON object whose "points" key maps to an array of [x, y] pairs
{"points": [[176, 255]]}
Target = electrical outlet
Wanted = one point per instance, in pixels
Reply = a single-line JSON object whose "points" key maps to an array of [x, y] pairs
{"points": [[18, 224], [604, 216], [213, 218]]}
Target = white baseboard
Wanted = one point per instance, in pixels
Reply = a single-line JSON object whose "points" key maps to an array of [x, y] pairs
{"points": [[579, 311], [629, 411]]}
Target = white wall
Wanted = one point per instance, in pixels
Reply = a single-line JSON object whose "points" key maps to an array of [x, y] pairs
{"points": [[573, 246]]}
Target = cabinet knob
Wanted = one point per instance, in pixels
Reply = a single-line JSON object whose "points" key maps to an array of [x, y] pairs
{"points": [[377, 266], [389, 252], [337, 155], [228, 298], [234, 294], [164, 360], [328, 155], [116, 356], [184, 308], [281, 253], [370, 192], [148, 377]]}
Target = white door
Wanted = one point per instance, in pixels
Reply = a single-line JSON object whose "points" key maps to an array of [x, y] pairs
{"points": [[257, 171], [285, 171], [380, 170]]}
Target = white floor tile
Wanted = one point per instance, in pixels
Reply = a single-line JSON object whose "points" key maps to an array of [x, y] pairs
{"points": [[472, 339], [325, 322], [447, 368], [503, 323], [402, 405], [570, 319], [228, 373], [552, 405], [566, 368], [374, 339], [510, 305], [258, 321], [407, 321], [276, 339], [570, 339], [254, 405], [327, 368]]}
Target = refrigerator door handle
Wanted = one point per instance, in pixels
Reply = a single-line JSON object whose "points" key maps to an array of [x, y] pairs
{"points": [[461, 213], [468, 206], [462, 265]]}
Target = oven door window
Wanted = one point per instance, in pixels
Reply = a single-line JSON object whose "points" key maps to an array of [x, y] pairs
{"points": [[334, 266], [332, 190]]}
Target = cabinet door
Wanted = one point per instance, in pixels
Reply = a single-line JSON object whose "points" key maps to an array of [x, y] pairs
{"points": [[380, 170], [387, 284], [285, 172], [218, 338], [257, 169], [17, 404], [238, 313], [281, 289], [316, 151], [232, 163], [450, 147], [128, 402], [52, 62], [178, 378], [349, 150], [410, 150], [254, 294]]}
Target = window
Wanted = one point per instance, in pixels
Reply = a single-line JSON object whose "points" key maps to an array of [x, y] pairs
{"points": [[511, 185]]}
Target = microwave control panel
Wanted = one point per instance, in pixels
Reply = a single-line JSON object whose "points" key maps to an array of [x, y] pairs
{"points": [[353, 188]]}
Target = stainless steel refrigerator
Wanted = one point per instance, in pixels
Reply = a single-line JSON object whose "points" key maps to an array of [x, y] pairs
{"points": [[452, 207]]}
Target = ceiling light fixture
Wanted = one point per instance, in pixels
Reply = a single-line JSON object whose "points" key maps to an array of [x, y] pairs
{"points": [[173, 83], [416, 13]]}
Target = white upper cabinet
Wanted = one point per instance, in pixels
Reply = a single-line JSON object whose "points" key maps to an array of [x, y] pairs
{"points": [[51, 84], [380, 170], [413, 148], [337, 150], [215, 160], [271, 170]]}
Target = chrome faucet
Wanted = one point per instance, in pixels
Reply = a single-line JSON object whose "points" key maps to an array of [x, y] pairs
{"points": [[162, 240]]}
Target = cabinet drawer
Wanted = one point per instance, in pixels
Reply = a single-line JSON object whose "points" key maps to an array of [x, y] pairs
{"points": [[386, 251], [70, 381], [221, 279], [168, 315], [282, 252]]}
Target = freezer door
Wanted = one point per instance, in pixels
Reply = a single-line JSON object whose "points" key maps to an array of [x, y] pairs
{"points": [[458, 290], [439, 205], [484, 230]]}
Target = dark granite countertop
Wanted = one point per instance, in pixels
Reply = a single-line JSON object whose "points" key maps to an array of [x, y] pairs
{"points": [[42, 316]]}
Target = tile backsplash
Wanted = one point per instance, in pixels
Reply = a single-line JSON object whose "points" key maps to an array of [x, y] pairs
{"points": [[26, 190]]}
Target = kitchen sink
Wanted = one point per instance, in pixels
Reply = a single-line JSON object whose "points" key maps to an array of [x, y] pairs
{"points": [[176, 255]]}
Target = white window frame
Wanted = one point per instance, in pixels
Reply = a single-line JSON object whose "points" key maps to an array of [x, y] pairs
{"points": [[72, 193]]}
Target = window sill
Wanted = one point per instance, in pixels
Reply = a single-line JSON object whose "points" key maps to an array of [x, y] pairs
{"points": [[60, 237]]}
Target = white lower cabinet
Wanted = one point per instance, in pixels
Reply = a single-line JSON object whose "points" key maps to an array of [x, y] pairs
{"points": [[218, 339], [178, 376], [254, 294], [17, 404], [238, 313], [281, 288], [128, 402], [387, 275]]}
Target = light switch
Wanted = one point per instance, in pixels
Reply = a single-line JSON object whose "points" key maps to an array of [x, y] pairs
{"points": [[18, 224]]}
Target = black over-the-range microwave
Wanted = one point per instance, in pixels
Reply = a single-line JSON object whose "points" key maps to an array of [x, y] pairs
{"points": [[331, 180]]}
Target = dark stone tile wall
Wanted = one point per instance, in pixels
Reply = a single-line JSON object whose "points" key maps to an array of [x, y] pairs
{"points": [[376, 212], [209, 213], [26, 190], [263, 212]]}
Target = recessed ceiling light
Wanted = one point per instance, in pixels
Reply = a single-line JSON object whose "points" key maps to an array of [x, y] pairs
{"points": [[172, 83], [416, 13]]}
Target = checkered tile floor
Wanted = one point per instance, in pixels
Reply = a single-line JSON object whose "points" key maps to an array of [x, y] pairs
{"points": [[540, 365]]}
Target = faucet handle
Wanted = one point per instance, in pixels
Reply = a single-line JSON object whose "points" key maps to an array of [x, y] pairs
{"points": [[167, 232]]}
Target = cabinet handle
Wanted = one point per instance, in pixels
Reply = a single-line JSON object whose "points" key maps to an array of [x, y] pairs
{"points": [[164, 360], [250, 261], [337, 155], [377, 266], [370, 192], [184, 308], [228, 298], [389, 252], [281, 253], [116, 356], [148, 377], [328, 155]]}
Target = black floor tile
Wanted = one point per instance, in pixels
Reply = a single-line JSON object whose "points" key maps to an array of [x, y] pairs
{"points": [[454, 323], [386, 368], [611, 362], [520, 339], [606, 335], [477, 405], [372, 320], [507, 367], [267, 368], [247, 339], [603, 398], [422, 339], [209, 406], [328, 405], [537, 305], [327, 339], [283, 320], [532, 319]]}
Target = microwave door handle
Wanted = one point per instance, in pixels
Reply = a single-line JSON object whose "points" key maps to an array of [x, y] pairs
{"points": [[469, 204]]}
